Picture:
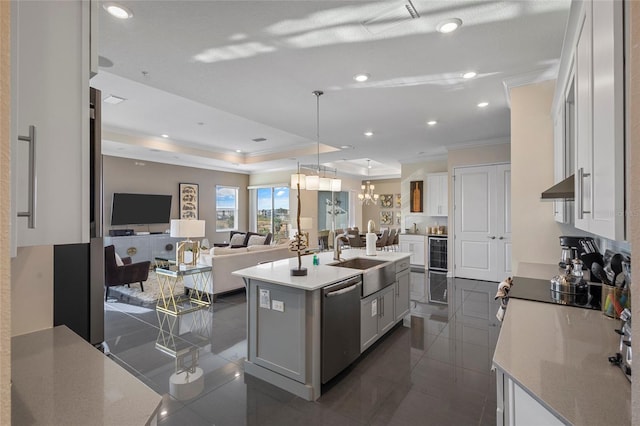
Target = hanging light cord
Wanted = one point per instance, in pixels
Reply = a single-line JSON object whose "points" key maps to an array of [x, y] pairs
{"points": [[318, 93]]}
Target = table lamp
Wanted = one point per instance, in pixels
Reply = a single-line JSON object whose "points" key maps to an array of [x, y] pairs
{"points": [[187, 228]]}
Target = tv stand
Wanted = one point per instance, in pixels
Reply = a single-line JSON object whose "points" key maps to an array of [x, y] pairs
{"points": [[144, 247]]}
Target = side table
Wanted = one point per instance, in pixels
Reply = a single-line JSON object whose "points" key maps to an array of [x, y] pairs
{"points": [[169, 277]]}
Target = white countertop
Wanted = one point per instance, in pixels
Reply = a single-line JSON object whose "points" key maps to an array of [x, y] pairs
{"points": [[279, 272], [60, 379], [559, 355]]}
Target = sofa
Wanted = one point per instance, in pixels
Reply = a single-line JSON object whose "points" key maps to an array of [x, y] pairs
{"points": [[225, 260]]}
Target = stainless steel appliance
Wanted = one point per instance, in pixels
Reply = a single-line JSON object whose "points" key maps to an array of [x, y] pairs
{"points": [[437, 253], [540, 290], [437, 269], [574, 248], [78, 269], [340, 332], [624, 356]]}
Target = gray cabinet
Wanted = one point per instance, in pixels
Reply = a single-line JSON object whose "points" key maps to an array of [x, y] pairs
{"points": [[49, 123], [144, 247], [402, 287], [376, 316]]}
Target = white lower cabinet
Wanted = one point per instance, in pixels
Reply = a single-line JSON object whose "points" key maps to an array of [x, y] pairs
{"points": [[414, 244], [376, 315], [516, 407]]}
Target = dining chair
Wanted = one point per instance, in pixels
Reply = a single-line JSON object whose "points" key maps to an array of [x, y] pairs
{"points": [[382, 241], [391, 238]]}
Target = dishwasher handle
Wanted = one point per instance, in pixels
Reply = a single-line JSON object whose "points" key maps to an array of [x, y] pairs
{"points": [[342, 290], [342, 287]]}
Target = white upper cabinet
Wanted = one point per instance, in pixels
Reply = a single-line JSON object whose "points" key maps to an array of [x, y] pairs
{"points": [[437, 194], [599, 198], [50, 122]]}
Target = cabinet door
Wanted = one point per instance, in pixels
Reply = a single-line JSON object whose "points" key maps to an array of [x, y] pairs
{"points": [[607, 210], [559, 161], [583, 82], [51, 93], [387, 317], [403, 280], [437, 194], [369, 312]]}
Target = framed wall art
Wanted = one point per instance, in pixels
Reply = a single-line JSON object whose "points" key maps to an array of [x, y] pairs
{"points": [[386, 217], [386, 201], [415, 196], [188, 193]]}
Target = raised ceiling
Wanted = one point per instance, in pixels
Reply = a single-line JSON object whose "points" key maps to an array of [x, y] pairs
{"points": [[215, 75]]}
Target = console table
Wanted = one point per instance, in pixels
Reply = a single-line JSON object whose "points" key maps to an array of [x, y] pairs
{"points": [[144, 247]]}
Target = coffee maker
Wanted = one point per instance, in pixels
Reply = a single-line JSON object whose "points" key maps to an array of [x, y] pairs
{"points": [[574, 248], [570, 250]]}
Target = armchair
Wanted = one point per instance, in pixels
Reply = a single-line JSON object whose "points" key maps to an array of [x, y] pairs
{"points": [[125, 274]]}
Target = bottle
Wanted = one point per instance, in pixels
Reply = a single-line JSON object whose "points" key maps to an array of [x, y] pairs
{"points": [[416, 199], [316, 260]]}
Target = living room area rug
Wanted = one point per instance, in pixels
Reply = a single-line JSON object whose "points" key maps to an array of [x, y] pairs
{"points": [[151, 291]]}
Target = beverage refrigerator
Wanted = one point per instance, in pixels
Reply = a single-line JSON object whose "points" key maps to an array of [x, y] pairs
{"points": [[78, 271], [437, 268]]}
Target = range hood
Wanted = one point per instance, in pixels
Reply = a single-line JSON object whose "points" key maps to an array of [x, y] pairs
{"points": [[563, 190]]}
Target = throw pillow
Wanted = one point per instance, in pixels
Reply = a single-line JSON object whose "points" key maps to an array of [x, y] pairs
{"points": [[237, 240], [256, 240], [119, 261]]}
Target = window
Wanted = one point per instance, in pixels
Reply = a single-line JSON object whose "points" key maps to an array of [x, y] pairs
{"points": [[273, 211], [226, 208]]}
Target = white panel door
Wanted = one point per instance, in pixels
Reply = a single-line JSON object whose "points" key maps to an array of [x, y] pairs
{"points": [[474, 208], [482, 224]]}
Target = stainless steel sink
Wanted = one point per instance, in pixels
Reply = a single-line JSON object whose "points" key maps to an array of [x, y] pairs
{"points": [[358, 263], [376, 274]]}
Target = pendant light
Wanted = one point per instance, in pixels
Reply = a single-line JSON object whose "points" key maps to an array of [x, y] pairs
{"points": [[316, 182], [367, 196]]}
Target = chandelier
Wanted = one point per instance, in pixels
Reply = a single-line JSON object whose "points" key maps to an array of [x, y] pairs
{"points": [[367, 196], [315, 182]]}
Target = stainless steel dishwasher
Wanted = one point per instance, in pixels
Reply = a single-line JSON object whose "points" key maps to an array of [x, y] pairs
{"points": [[340, 326]]}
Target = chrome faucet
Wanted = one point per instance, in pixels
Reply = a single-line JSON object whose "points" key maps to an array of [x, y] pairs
{"points": [[336, 245]]}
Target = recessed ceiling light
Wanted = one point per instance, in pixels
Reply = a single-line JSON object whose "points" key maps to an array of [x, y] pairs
{"points": [[469, 74], [346, 147], [361, 77], [368, 133], [117, 10], [432, 122], [449, 25], [164, 135], [483, 104], [113, 100], [238, 150]]}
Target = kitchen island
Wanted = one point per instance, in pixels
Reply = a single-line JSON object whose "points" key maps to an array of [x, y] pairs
{"points": [[284, 315]]}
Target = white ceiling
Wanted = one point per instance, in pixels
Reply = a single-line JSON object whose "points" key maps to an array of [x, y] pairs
{"points": [[214, 75]]}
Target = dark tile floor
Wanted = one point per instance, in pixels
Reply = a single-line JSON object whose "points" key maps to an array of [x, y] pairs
{"points": [[433, 369]]}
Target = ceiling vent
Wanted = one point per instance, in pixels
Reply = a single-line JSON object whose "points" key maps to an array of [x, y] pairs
{"points": [[113, 100], [403, 11], [259, 139]]}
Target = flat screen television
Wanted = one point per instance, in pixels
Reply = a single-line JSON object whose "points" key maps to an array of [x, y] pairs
{"points": [[140, 209]]}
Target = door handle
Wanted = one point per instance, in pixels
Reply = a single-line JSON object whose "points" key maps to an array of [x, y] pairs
{"points": [[493, 237], [501, 238], [31, 207], [581, 176]]}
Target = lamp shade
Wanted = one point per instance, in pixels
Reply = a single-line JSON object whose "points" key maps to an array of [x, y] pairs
{"points": [[313, 182], [336, 185], [298, 178], [305, 223], [325, 184], [187, 228]]}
